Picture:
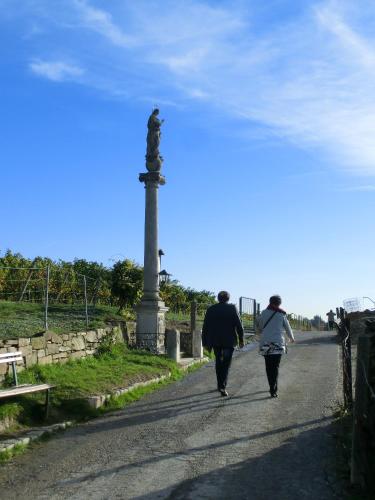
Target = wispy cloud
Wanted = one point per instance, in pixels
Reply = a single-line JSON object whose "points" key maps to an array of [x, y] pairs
{"points": [[308, 80], [363, 188], [101, 21], [56, 71]]}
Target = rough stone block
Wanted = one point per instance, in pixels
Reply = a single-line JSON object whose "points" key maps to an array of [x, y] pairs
{"points": [[64, 348], [3, 350], [101, 333], [77, 354], [38, 342], [3, 368], [12, 349], [46, 360], [40, 353], [65, 336], [22, 342], [78, 343], [12, 342], [30, 359], [26, 350], [52, 348], [90, 352], [53, 337], [92, 336], [60, 355]]}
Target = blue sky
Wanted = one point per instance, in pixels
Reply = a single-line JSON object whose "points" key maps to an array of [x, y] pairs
{"points": [[268, 139]]}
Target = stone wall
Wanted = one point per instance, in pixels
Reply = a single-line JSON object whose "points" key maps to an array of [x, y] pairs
{"points": [[53, 348]]}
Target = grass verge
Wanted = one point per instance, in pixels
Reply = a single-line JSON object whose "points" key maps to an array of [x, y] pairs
{"points": [[76, 380]]}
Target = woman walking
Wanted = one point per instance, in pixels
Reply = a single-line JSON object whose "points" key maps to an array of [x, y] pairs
{"points": [[273, 323]]}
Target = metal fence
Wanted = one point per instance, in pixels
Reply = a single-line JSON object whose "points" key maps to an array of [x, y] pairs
{"points": [[249, 309], [57, 291]]}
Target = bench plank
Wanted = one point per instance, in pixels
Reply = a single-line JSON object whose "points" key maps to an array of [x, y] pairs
{"points": [[24, 389], [10, 357]]}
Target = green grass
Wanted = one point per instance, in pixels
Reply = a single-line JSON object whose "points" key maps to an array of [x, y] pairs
{"points": [[9, 410], [20, 319], [5, 456], [78, 379]]}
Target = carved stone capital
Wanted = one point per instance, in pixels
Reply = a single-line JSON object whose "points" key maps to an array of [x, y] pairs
{"points": [[152, 177]]}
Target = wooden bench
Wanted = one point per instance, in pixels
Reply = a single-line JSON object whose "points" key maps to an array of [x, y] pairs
{"points": [[17, 390]]}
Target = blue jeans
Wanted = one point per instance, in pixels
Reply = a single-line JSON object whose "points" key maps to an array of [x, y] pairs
{"points": [[223, 356]]}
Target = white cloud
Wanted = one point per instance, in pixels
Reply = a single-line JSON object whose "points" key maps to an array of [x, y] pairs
{"points": [[308, 81], [101, 21], [56, 70]]}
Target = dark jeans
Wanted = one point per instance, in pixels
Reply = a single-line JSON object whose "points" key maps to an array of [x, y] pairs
{"points": [[272, 370], [223, 357]]}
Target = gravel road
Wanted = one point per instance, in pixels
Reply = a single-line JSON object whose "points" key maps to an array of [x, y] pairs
{"points": [[187, 442]]}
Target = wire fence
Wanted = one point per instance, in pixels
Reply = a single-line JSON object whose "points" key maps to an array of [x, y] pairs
{"points": [[51, 293]]}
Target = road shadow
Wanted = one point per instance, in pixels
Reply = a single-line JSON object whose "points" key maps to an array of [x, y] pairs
{"points": [[302, 468], [325, 424], [134, 415]]}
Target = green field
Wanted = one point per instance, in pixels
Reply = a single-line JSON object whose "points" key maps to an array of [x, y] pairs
{"points": [[20, 319]]}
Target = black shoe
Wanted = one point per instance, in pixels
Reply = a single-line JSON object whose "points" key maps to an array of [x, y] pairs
{"points": [[223, 392], [274, 395]]}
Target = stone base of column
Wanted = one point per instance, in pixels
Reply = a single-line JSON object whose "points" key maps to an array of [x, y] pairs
{"points": [[150, 330]]}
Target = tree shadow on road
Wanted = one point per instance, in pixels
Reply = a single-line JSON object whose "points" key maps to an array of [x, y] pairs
{"points": [[302, 468]]}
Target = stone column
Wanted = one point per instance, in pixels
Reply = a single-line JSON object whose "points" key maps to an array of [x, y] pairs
{"points": [[150, 331]]}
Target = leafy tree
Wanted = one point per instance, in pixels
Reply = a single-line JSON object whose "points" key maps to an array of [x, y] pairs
{"points": [[127, 283]]}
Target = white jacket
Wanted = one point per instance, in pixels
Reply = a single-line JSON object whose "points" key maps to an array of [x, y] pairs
{"points": [[272, 340]]}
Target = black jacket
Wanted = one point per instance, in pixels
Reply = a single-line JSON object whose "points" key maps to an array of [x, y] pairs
{"points": [[221, 326]]}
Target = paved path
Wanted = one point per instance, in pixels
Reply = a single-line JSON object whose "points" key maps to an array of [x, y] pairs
{"points": [[186, 442]]}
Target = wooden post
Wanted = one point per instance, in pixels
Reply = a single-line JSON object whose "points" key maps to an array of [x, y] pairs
{"points": [[346, 350], [193, 316], [359, 440]]}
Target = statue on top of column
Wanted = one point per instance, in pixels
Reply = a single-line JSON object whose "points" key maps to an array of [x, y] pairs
{"points": [[153, 158]]}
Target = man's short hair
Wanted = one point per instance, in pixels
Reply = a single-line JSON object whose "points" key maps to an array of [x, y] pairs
{"points": [[223, 296], [275, 300]]}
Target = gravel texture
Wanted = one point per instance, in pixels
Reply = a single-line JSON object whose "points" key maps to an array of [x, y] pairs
{"points": [[185, 441]]}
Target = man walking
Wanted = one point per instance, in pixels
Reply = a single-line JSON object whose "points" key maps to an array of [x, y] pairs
{"points": [[331, 319], [222, 328]]}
